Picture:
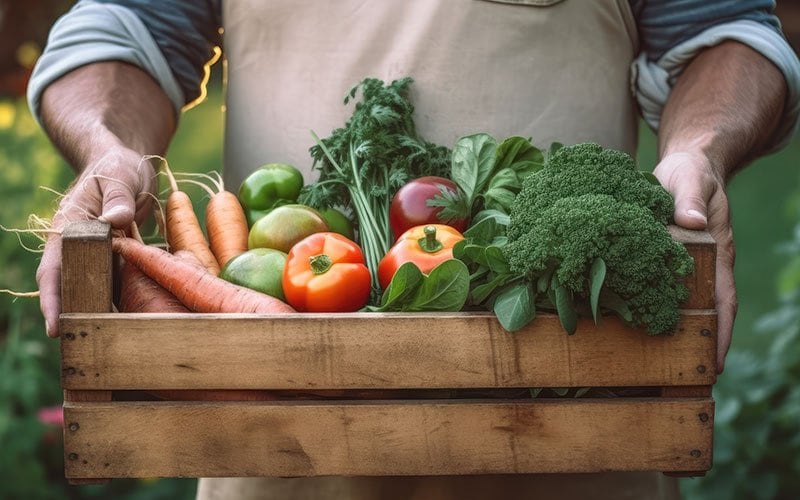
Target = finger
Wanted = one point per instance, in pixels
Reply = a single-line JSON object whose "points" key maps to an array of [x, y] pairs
{"points": [[686, 177], [119, 203], [48, 278], [725, 289]]}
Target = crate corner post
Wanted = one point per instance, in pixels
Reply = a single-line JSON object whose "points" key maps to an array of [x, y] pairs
{"points": [[86, 287]]}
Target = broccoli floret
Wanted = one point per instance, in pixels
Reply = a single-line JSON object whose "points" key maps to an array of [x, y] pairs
{"points": [[589, 168], [565, 218]]}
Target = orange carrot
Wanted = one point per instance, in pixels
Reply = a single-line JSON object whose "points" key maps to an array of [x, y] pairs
{"points": [[183, 231], [197, 289], [226, 223], [141, 294]]}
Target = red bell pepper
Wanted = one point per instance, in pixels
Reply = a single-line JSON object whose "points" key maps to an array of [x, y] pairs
{"points": [[426, 246]]}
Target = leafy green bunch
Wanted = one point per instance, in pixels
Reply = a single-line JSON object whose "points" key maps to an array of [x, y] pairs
{"points": [[364, 163], [588, 233]]}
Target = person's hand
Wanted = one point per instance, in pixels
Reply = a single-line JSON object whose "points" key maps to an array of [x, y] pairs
{"points": [[115, 188], [701, 203]]}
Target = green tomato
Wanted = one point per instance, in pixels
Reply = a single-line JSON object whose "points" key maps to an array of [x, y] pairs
{"points": [[272, 185], [260, 269], [284, 226], [338, 222]]}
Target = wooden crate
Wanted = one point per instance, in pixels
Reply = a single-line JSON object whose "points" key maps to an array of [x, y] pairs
{"points": [[419, 373]]}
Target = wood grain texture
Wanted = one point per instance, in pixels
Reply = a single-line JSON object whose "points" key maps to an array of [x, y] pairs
{"points": [[376, 351], [703, 249], [86, 274], [434, 438]]}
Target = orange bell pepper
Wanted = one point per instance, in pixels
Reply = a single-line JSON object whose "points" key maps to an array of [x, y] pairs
{"points": [[426, 246], [325, 272]]}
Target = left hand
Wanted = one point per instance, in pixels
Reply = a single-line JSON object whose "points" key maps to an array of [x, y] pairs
{"points": [[701, 203]]}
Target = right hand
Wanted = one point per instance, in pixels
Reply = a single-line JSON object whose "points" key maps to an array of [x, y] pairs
{"points": [[115, 188]]}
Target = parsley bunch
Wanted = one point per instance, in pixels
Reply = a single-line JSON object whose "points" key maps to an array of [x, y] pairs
{"points": [[364, 163]]}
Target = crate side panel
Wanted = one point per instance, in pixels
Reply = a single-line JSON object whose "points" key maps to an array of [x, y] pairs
{"points": [[400, 438], [701, 282], [371, 351]]}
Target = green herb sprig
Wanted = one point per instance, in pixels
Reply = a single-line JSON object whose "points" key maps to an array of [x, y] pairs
{"points": [[363, 164]]}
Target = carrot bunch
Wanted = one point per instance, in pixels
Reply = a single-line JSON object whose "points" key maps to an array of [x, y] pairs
{"points": [[226, 223], [195, 287], [155, 280]]}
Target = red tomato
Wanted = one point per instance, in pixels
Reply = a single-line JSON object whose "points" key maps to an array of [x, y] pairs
{"points": [[426, 246], [410, 208], [325, 272]]}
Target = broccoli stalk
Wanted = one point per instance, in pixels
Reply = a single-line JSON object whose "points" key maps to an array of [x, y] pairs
{"points": [[589, 205]]}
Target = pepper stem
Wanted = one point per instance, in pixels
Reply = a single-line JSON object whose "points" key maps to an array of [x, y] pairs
{"points": [[320, 263], [429, 243]]}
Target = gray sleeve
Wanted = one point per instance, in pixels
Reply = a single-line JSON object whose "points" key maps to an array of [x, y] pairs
{"points": [[96, 30], [653, 79]]}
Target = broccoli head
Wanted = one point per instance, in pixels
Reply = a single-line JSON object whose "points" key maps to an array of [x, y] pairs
{"points": [[589, 168], [570, 214]]}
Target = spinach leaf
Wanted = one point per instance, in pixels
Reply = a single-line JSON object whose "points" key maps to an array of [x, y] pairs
{"points": [[405, 282], [444, 289], [473, 164], [514, 307], [597, 276], [482, 292], [518, 154], [564, 306]]}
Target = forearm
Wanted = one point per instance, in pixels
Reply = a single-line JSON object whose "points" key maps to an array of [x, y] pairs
{"points": [[726, 105], [102, 106]]}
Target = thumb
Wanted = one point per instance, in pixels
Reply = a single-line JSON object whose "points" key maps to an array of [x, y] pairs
{"points": [[691, 210], [688, 178], [119, 205]]}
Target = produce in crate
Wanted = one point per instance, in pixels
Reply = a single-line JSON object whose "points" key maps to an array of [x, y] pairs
{"points": [[425, 246], [488, 175], [195, 287], [284, 226], [139, 293], [586, 234], [325, 272], [226, 224], [364, 163], [268, 187], [338, 222], [410, 205], [182, 229], [259, 269]]}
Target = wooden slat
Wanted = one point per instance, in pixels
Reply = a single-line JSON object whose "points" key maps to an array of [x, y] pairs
{"points": [[400, 438], [86, 275], [376, 351], [703, 249]]}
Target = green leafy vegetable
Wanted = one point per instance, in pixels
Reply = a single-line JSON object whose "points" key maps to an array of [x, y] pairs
{"points": [[364, 163], [444, 289], [489, 175], [597, 275], [590, 231], [514, 307]]}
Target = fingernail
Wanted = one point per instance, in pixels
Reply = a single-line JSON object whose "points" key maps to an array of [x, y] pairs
{"points": [[110, 213], [696, 214]]}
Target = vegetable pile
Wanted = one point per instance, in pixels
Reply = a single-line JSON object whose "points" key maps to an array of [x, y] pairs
{"points": [[495, 225], [363, 164]]}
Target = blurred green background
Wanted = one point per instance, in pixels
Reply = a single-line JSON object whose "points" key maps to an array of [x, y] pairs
{"points": [[757, 437]]}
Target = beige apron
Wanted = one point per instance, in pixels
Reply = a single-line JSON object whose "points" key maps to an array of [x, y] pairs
{"points": [[552, 70], [546, 69]]}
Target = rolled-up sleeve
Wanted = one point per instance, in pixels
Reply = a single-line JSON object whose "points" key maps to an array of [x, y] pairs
{"points": [[171, 40], [673, 32]]}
